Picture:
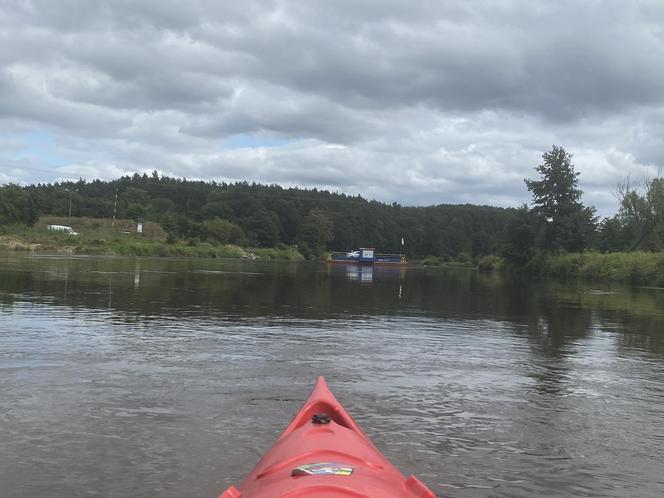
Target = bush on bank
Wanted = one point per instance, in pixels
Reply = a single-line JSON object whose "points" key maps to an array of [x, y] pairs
{"points": [[432, 261], [490, 263]]}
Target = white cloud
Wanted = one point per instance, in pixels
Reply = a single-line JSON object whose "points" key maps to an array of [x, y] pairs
{"points": [[416, 102]]}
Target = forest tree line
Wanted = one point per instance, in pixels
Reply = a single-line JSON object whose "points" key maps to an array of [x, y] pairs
{"points": [[265, 215], [317, 220]]}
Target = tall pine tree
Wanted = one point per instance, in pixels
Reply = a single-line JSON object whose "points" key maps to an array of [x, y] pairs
{"points": [[565, 223]]}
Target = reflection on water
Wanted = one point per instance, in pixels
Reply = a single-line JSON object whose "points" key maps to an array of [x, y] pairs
{"points": [[365, 273], [362, 273], [147, 377]]}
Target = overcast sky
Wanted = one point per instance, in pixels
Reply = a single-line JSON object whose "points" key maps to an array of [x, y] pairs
{"points": [[419, 102]]}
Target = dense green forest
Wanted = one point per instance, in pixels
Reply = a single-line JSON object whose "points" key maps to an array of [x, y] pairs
{"points": [[267, 215], [317, 220]]}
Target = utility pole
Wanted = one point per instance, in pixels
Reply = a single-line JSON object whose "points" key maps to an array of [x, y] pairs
{"points": [[70, 193], [67, 190], [115, 206]]}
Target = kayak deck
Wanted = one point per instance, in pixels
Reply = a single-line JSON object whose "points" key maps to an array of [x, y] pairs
{"points": [[323, 453]]}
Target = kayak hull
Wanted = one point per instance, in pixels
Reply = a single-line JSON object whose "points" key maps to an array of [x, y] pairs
{"points": [[323, 453]]}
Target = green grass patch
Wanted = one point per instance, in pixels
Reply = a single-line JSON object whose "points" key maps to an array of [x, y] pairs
{"points": [[103, 228], [640, 268], [287, 253]]}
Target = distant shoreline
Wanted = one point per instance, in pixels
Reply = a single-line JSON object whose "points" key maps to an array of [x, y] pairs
{"points": [[636, 268]]}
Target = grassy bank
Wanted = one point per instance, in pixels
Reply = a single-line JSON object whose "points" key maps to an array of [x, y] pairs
{"points": [[485, 264], [97, 236], [640, 268]]}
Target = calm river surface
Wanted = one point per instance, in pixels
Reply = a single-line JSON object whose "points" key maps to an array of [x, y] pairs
{"points": [[123, 377]]}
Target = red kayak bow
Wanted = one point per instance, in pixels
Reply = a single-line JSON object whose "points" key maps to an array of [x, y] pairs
{"points": [[323, 453]]}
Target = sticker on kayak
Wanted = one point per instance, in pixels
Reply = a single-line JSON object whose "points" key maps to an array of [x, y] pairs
{"points": [[323, 469]]}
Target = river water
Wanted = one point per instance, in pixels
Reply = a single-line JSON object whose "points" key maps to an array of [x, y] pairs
{"points": [[169, 378]]}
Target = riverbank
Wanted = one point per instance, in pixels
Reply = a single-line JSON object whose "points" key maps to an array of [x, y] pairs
{"points": [[488, 263], [638, 268], [101, 237], [133, 247]]}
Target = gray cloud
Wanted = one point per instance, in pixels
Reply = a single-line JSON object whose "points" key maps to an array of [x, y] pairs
{"points": [[419, 102]]}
